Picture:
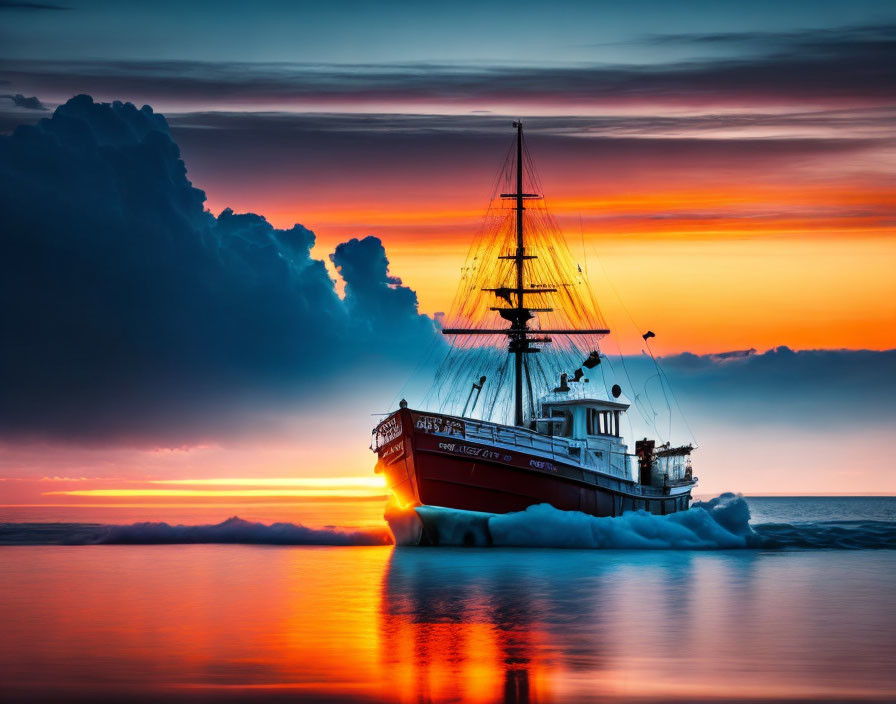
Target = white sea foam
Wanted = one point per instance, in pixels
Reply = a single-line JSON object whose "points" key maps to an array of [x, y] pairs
{"points": [[722, 523]]}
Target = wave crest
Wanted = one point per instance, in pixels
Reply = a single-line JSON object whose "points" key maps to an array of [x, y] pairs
{"points": [[722, 523]]}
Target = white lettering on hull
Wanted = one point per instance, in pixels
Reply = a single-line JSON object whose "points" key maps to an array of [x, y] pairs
{"points": [[439, 425], [388, 430], [473, 451]]}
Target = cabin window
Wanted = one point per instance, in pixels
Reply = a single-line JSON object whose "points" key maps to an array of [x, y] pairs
{"points": [[603, 422], [563, 429], [598, 422]]}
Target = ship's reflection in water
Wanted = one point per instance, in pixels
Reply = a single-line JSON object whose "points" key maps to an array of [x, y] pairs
{"points": [[462, 626], [519, 626]]}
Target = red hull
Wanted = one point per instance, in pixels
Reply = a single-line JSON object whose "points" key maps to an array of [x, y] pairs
{"points": [[424, 467]]}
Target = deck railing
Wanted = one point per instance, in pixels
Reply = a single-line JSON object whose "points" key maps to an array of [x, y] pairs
{"points": [[556, 447]]}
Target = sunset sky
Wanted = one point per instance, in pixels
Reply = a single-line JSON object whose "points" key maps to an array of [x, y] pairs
{"points": [[725, 172]]}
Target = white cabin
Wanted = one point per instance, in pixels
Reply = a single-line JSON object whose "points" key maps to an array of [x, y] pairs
{"points": [[592, 428]]}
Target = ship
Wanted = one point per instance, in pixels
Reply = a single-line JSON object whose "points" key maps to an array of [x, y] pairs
{"points": [[525, 308]]}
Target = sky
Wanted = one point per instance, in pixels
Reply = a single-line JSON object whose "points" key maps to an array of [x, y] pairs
{"points": [[227, 284]]}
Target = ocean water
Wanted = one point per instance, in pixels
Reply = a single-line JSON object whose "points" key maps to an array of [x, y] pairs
{"points": [[806, 612]]}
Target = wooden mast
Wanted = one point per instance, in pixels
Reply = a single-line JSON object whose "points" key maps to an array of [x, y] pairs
{"points": [[519, 343]]}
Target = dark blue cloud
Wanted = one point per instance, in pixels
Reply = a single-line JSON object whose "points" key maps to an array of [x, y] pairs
{"points": [[130, 312], [809, 389], [373, 125], [852, 62], [373, 297], [21, 101]]}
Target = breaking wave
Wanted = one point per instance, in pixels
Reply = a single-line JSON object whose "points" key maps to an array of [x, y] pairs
{"points": [[232, 531], [722, 523]]}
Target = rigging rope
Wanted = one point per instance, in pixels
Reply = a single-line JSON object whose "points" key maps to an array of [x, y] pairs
{"points": [[487, 284], [570, 306]]}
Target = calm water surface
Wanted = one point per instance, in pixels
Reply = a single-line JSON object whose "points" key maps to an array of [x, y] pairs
{"points": [[240, 622]]}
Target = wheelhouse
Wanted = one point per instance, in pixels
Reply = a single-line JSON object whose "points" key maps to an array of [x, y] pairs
{"points": [[581, 419]]}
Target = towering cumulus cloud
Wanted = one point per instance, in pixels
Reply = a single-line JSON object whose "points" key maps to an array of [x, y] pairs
{"points": [[129, 311], [374, 299]]}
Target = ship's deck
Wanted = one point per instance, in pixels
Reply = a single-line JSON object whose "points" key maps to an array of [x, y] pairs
{"points": [[601, 454]]}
